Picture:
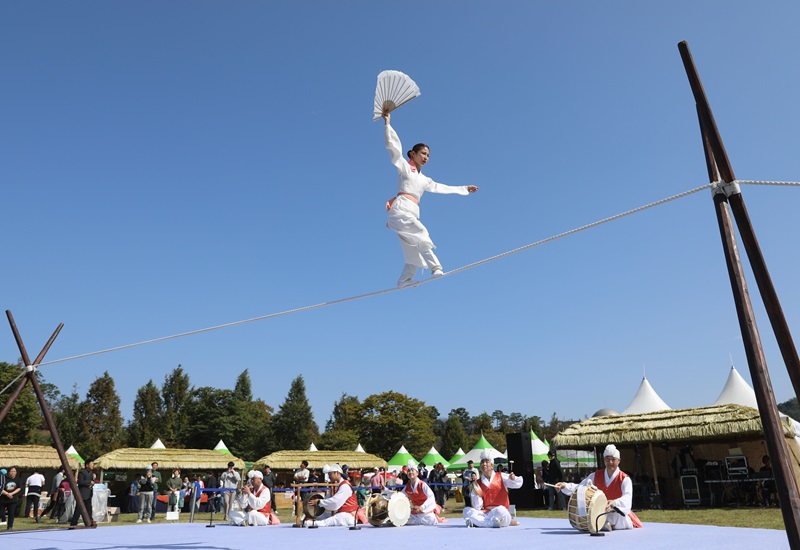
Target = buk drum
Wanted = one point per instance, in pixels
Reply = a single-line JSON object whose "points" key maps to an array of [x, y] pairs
{"points": [[585, 505], [312, 508], [388, 512]]}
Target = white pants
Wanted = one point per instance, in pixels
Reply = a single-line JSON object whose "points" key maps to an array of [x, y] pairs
{"points": [[423, 519], [345, 519], [415, 241], [618, 522], [257, 518], [479, 519]]}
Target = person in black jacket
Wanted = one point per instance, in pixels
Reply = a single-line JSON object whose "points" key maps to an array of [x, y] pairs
{"points": [[554, 475], [85, 484]]}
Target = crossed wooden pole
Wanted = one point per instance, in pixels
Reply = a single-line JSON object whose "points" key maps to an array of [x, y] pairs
{"points": [[727, 198], [30, 376]]}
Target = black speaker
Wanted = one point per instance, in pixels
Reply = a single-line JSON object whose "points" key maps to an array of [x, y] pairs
{"points": [[521, 453]]}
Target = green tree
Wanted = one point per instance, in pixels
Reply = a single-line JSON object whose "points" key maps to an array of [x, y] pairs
{"points": [[243, 390], [790, 408], [482, 424], [147, 423], [555, 425], [453, 437], [464, 417], [67, 417], [101, 418], [175, 393], [19, 425], [392, 419], [347, 415], [338, 440], [213, 414], [293, 425]]}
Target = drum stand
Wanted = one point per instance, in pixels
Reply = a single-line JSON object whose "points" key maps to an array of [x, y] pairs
{"points": [[597, 532]]}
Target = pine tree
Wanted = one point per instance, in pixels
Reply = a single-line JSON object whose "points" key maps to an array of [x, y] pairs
{"points": [[175, 393], [453, 437], [293, 425], [147, 423], [244, 387], [67, 417], [101, 418]]}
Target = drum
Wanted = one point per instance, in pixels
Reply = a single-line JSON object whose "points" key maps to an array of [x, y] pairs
{"points": [[388, 512], [585, 505], [312, 508]]}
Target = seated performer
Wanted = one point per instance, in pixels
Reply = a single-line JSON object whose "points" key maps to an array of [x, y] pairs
{"points": [[489, 498], [617, 487], [257, 497], [342, 506], [423, 501]]}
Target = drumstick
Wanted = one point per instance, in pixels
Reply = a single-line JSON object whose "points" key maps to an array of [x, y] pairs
{"points": [[550, 485]]}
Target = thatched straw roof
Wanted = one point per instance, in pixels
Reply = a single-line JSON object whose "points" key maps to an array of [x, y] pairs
{"points": [[285, 460], [33, 456], [703, 423], [192, 459]]}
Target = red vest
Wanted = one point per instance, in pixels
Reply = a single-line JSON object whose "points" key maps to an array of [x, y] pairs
{"points": [[495, 494], [268, 508], [416, 496], [351, 504], [613, 491]]}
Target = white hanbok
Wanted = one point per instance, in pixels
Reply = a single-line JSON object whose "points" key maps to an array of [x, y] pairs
{"points": [[499, 516], [624, 503], [256, 501], [330, 519], [403, 216], [428, 516]]}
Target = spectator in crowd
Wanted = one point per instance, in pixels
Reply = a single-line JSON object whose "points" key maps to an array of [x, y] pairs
{"points": [[403, 475], [174, 486], [423, 501], [86, 479], [313, 477], [229, 479], [437, 481], [469, 476], [57, 479], [345, 472], [187, 493], [34, 483], [378, 481], [133, 495], [554, 475], [767, 486], [9, 495], [198, 489], [158, 482], [60, 509], [213, 496], [301, 475], [147, 486], [617, 486], [269, 481], [423, 472]]}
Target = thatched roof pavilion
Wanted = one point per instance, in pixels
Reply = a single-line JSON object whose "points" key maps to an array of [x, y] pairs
{"points": [[191, 459], [288, 460], [720, 422], [29, 457]]}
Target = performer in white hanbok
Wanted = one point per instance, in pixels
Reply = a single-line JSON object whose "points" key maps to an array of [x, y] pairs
{"points": [[256, 495], [404, 208], [617, 487], [423, 501], [489, 498], [342, 506]]}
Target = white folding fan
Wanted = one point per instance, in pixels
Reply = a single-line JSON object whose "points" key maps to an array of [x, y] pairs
{"points": [[393, 90]]}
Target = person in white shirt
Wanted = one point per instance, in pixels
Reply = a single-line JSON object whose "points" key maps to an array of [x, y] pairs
{"points": [[229, 479], [423, 501], [403, 216], [34, 484], [489, 498]]}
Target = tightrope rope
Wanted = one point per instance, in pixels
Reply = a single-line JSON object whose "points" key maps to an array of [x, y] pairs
{"points": [[453, 272]]}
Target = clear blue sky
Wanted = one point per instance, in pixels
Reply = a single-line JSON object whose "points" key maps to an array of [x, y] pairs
{"points": [[169, 166]]}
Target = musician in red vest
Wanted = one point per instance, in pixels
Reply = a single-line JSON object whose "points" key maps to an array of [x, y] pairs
{"points": [[616, 485], [342, 506], [490, 497], [255, 495], [423, 501]]}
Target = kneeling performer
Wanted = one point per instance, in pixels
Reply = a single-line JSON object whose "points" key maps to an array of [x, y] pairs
{"points": [[257, 497], [489, 498], [617, 487], [342, 506], [423, 501]]}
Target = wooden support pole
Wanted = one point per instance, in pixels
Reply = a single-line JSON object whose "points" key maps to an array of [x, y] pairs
{"points": [[30, 375], [653, 466], [719, 165]]}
